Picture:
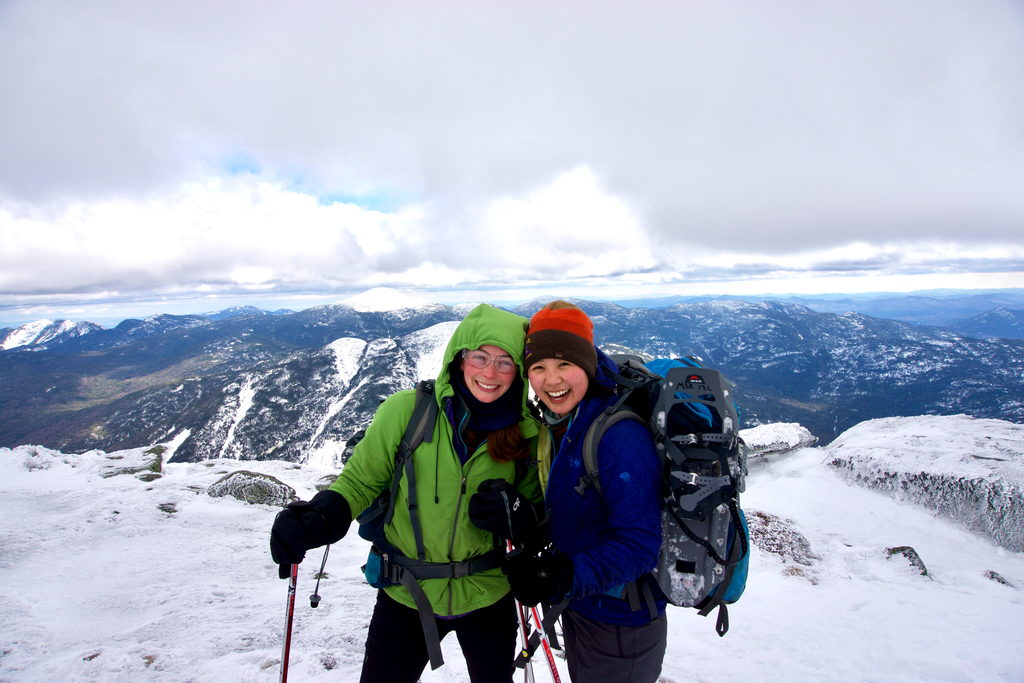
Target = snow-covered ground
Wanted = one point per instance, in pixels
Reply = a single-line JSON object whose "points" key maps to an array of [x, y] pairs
{"points": [[119, 579]]}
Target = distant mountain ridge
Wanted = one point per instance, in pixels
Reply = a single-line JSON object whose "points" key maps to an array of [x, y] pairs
{"points": [[978, 315], [295, 386], [1001, 323], [43, 333], [998, 314]]}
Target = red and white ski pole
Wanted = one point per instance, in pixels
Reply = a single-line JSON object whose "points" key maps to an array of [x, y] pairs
{"points": [[524, 632], [546, 642], [290, 613]]}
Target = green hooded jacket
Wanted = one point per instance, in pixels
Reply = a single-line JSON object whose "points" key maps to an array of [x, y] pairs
{"points": [[443, 483]]}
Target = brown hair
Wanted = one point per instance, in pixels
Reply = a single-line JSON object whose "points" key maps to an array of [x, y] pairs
{"points": [[508, 444], [503, 445]]}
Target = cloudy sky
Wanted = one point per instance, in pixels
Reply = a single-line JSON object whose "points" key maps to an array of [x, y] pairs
{"points": [[164, 154]]}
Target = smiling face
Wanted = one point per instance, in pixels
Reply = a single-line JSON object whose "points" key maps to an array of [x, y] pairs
{"points": [[488, 384], [561, 385]]}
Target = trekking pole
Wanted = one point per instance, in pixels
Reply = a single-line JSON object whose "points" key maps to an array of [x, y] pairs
{"points": [[546, 642], [290, 613], [524, 631], [525, 634]]}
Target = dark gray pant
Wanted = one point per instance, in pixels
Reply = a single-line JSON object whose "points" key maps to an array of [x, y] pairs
{"points": [[608, 653]]}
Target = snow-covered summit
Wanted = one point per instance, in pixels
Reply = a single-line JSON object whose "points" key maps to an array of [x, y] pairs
{"points": [[25, 334], [383, 299], [39, 332]]}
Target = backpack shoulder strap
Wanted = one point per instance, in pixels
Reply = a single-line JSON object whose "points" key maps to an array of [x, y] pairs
{"points": [[420, 429], [595, 433]]}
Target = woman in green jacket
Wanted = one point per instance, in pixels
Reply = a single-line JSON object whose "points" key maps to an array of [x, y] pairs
{"points": [[482, 432]]}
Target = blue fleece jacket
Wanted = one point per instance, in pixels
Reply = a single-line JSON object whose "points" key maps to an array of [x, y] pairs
{"points": [[612, 536]]}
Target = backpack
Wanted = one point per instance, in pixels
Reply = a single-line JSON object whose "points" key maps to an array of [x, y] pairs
{"points": [[690, 412]]}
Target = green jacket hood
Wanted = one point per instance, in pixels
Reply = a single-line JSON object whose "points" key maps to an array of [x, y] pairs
{"points": [[485, 324]]}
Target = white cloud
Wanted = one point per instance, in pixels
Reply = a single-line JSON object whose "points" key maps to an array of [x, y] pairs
{"points": [[570, 227], [396, 143]]}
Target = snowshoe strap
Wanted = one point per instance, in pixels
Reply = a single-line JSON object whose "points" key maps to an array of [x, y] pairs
{"points": [[739, 550], [722, 625], [638, 591]]}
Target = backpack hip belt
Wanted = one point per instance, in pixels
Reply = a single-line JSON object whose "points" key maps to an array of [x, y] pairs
{"points": [[395, 565]]}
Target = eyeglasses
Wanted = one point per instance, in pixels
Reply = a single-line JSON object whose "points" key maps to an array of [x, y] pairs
{"points": [[481, 359]]}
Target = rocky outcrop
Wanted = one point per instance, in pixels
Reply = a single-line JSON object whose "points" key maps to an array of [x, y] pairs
{"points": [[967, 470], [253, 487]]}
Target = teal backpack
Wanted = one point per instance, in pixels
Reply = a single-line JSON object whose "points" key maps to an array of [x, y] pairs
{"points": [[705, 548]]}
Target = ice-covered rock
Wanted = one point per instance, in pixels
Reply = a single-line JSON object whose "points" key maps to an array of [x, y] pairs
{"points": [[777, 437], [967, 469], [253, 487]]}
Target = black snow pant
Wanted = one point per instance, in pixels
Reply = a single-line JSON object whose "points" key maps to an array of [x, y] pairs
{"points": [[396, 651], [609, 653]]}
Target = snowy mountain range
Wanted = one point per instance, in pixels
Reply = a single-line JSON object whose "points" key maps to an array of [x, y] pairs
{"points": [[998, 314], [295, 386], [40, 334], [965, 312], [131, 565]]}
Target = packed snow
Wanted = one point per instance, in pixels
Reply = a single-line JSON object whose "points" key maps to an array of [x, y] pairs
{"points": [[112, 573]]}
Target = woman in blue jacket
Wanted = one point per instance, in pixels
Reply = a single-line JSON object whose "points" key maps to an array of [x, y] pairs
{"points": [[601, 541]]}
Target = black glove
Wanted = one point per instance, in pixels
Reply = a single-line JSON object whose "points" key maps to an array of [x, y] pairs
{"points": [[499, 508], [544, 576], [308, 524]]}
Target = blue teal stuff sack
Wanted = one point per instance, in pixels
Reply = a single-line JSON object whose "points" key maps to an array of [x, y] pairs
{"points": [[376, 569], [738, 581]]}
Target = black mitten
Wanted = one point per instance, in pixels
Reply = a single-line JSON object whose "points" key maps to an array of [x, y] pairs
{"points": [[499, 508], [308, 524], [535, 577]]}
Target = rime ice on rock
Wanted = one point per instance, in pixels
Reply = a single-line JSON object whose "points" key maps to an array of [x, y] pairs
{"points": [[777, 437], [253, 487], [966, 469]]}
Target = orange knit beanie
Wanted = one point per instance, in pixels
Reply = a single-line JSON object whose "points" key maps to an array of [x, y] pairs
{"points": [[561, 330]]}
